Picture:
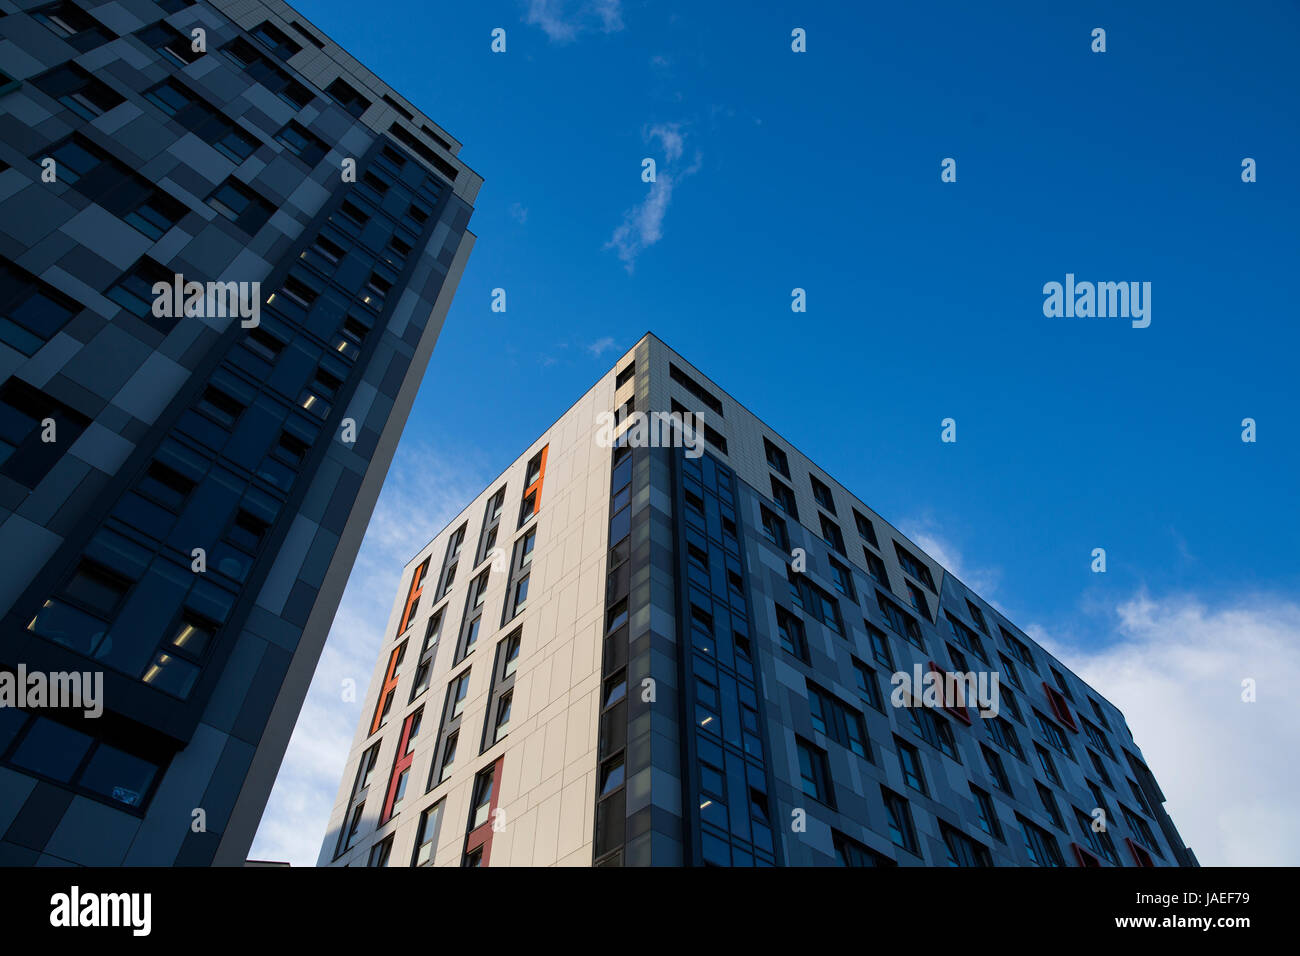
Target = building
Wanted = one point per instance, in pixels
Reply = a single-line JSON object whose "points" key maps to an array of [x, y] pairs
{"points": [[682, 656], [183, 489]]}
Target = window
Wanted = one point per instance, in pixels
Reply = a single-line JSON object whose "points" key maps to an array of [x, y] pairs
{"points": [[822, 494], [427, 834], [880, 651], [791, 634], [783, 495], [994, 764], [170, 42], [774, 528], [837, 721], [910, 762], [24, 456], [266, 73], [1101, 717], [520, 596], [851, 853], [831, 534], [77, 90], [1018, 648], [77, 616], [898, 815], [1060, 682], [876, 568], [625, 375], [381, 852], [457, 694], [1142, 829], [1053, 734], [502, 726], [72, 24], [985, 813], [899, 621], [866, 529], [347, 97], [934, 730], [1098, 840], [474, 858], [1099, 765], [913, 566], [307, 147], [482, 797], [1048, 800], [962, 850], [776, 458], [448, 756], [1041, 845], [242, 206], [354, 827], [31, 312], [966, 637], [134, 292], [1097, 737], [275, 39], [977, 616], [699, 391], [867, 684], [820, 605], [1141, 798], [917, 597], [1048, 764], [511, 654], [203, 120], [814, 772], [1004, 735], [412, 142]]}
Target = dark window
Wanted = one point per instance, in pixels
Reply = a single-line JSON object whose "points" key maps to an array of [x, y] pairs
{"points": [[73, 24], [831, 534], [1042, 846], [93, 173], [867, 684], [842, 578], [783, 495], [625, 375], [348, 97], [263, 71], [25, 414], [977, 616], [865, 528], [76, 89], [482, 798], [962, 850], [913, 566], [899, 621], [238, 203], [412, 142], [170, 42], [303, 144], [31, 312], [823, 495], [774, 528], [876, 568], [203, 120], [994, 764], [695, 388], [909, 760], [814, 772], [275, 39], [851, 853], [898, 816], [776, 458], [880, 651], [985, 813]]}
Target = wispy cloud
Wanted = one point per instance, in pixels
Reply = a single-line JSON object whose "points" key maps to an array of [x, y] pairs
{"points": [[421, 482], [563, 21], [1226, 766], [600, 346], [643, 224], [519, 213], [983, 581]]}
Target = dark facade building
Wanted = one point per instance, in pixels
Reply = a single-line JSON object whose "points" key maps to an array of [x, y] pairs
{"points": [[627, 654], [185, 478]]}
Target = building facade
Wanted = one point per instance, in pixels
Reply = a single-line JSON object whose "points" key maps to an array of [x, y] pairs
{"points": [[628, 655], [184, 483]]}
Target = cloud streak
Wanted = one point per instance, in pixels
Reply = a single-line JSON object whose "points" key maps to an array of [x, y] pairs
{"points": [[643, 224], [563, 21]]}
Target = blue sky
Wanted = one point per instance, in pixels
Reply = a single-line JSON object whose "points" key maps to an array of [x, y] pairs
{"points": [[821, 170]]}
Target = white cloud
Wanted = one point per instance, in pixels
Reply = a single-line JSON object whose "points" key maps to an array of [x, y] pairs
{"points": [[563, 21], [983, 581], [643, 224], [1227, 767], [424, 491], [519, 213], [600, 346]]}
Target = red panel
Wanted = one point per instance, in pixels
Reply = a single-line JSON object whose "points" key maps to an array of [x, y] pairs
{"points": [[1084, 857], [402, 762], [1139, 852], [1060, 707], [956, 711]]}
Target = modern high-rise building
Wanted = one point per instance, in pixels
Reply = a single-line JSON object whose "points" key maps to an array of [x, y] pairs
{"points": [[185, 477], [685, 656]]}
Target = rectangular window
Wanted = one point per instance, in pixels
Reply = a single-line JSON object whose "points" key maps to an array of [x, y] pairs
{"points": [[1004, 735], [966, 637], [31, 312], [868, 685], [426, 835], [831, 534], [247, 210], [880, 651], [914, 566], [303, 144], [774, 528], [77, 90], [986, 813], [814, 772], [977, 616], [910, 762], [866, 529], [275, 39], [917, 597], [134, 293], [876, 568], [1053, 734], [24, 456], [1018, 648], [1041, 845], [962, 850], [899, 621], [204, 120], [783, 496], [791, 634], [1048, 800], [696, 389], [170, 42], [348, 97], [73, 25], [482, 804], [994, 764], [898, 816], [837, 721], [933, 729], [776, 458], [822, 494], [1048, 764]]}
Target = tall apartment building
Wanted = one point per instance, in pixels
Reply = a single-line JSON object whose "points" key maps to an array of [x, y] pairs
{"points": [[656, 656], [183, 492]]}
